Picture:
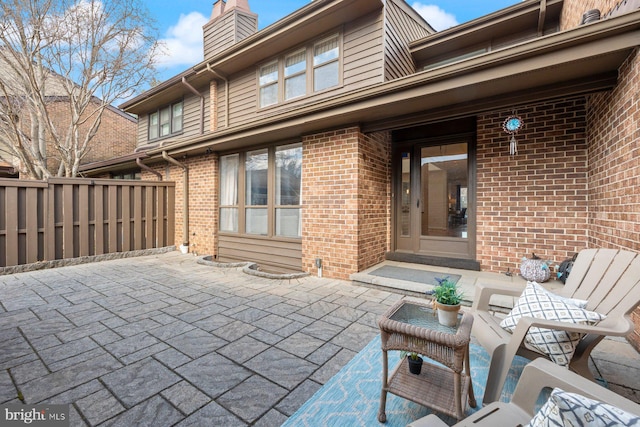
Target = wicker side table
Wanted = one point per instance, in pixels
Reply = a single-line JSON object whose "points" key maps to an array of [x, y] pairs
{"points": [[413, 327]]}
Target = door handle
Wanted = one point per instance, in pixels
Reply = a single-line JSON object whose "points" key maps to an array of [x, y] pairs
{"points": [[418, 203]]}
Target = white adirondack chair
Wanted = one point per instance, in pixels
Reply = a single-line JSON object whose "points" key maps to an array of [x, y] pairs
{"points": [[608, 278], [536, 376]]}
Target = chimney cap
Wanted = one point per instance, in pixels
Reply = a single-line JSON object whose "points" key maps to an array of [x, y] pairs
{"points": [[218, 9], [239, 4]]}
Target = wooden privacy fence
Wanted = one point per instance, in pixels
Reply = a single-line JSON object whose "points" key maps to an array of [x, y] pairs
{"points": [[71, 217]]}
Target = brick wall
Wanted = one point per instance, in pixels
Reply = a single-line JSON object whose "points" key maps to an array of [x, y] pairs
{"points": [[116, 136], [614, 169], [573, 10], [535, 201], [374, 199], [203, 201], [346, 188]]}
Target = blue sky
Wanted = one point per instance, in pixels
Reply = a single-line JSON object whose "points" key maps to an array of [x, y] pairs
{"points": [[180, 22]]}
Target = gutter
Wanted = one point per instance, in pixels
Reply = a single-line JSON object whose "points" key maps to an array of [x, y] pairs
{"points": [[148, 169], [185, 199]]}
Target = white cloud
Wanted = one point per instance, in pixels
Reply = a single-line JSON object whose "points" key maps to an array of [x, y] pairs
{"points": [[436, 17], [183, 44]]}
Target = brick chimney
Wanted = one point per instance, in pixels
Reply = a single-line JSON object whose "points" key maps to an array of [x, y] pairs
{"points": [[231, 22]]}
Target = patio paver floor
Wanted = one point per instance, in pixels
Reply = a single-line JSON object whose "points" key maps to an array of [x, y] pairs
{"points": [[161, 340]]}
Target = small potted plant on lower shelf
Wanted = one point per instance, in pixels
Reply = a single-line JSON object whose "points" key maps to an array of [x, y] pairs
{"points": [[448, 298], [415, 362]]}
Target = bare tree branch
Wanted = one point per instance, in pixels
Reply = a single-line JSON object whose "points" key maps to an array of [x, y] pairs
{"points": [[76, 55]]}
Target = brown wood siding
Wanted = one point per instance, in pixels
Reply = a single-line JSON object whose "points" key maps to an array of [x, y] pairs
{"points": [[219, 35], [143, 130], [363, 59], [190, 119], [230, 28], [400, 30], [247, 25], [269, 254], [243, 98], [362, 65]]}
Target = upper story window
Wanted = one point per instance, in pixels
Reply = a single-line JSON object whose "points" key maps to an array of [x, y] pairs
{"points": [[326, 56], [295, 75], [313, 68], [269, 84], [166, 121]]}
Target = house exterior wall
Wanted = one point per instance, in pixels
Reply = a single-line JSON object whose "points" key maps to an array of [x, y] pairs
{"points": [[535, 201], [226, 30], [190, 120], [400, 30], [573, 10], [613, 142], [614, 167], [203, 201], [116, 136], [346, 206]]}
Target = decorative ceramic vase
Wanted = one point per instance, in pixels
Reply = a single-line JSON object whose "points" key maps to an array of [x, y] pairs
{"points": [[415, 365], [448, 314]]}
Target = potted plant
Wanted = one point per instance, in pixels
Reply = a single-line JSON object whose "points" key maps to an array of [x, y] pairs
{"points": [[448, 298], [415, 362]]}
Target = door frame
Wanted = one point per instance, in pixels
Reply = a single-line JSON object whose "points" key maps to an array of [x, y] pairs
{"points": [[431, 246]]}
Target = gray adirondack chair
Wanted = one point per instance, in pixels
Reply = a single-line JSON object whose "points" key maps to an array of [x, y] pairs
{"points": [[535, 377], [608, 278]]}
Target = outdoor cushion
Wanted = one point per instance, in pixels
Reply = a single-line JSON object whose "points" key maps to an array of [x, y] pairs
{"points": [[582, 303], [571, 409], [537, 302]]}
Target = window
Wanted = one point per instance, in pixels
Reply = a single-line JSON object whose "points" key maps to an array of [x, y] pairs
{"points": [[153, 125], [287, 77], [166, 121], [269, 202], [288, 190], [257, 187], [269, 84], [325, 64], [295, 76], [229, 192]]}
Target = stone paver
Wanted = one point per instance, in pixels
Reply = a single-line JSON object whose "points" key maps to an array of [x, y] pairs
{"points": [[163, 341]]}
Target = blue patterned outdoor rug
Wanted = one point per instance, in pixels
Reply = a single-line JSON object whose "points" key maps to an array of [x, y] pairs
{"points": [[352, 397]]}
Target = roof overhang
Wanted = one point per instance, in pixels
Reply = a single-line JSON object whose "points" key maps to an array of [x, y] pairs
{"points": [[504, 23], [312, 20], [574, 62]]}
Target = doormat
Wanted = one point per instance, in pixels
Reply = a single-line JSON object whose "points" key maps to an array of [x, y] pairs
{"points": [[413, 275], [352, 397]]}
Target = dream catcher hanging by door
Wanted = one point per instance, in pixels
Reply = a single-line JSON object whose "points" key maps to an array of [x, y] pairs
{"points": [[512, 125]]}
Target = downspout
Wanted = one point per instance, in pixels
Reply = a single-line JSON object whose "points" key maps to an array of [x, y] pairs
{"points": [[226, 93], [185, 199], [148, 169], [542, 17], [196, 93]]}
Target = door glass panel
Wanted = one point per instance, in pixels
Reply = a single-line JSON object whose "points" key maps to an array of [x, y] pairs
{"points": [[405, 197], [444, 183]]}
